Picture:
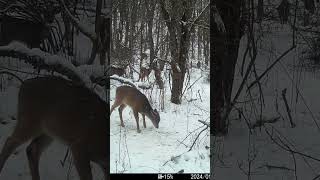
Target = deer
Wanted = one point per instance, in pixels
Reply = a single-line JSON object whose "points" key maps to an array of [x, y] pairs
{"points": [[116, 70], [127, 95], [144, 72], [52, 108]]}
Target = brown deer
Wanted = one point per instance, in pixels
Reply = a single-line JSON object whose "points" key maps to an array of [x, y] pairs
{"points": [[116, 70], [144, 72], [52, 108], [126, 95]]}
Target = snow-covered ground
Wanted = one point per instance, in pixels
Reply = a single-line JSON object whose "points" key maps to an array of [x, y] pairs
{"points": [[241, 155], [164, 149]]}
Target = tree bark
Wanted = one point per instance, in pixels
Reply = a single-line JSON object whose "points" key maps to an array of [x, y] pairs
{"points": [[179, 35], [224, 54]]}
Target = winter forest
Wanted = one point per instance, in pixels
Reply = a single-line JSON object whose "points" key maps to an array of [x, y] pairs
{"points": [[163, 48], [79, 75], [265, 100]]}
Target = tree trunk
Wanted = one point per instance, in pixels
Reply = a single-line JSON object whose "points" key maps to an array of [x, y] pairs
{"points": [[260, 10], [224, 54]]}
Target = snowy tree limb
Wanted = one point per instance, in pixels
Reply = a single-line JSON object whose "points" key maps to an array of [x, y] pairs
{"points": [[43, 60]]}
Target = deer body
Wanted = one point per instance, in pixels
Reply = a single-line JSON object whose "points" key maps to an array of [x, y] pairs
{"points": [[51, 108], [126, 95], [116, 70]]}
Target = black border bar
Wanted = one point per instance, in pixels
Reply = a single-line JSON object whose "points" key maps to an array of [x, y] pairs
{"points": [[162, 176]]}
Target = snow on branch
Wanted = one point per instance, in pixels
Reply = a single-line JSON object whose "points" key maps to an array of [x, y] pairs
{"points": [[129, 82], [43, 60]]}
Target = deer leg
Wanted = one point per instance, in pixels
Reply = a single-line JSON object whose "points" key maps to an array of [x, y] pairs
{"points": [[10, 145], [20, 135], [34, 151], [136, 115], [122, 106], [144, 120], [82, 162], [115, 104], [103, 166]]}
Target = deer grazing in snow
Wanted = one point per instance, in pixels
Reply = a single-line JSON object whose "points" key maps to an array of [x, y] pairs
{"points": [[126, 95], [52, 108]]}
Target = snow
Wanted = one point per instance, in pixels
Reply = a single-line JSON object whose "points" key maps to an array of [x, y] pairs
{"points": [[164, 149], [178, 67], [234, 153]]}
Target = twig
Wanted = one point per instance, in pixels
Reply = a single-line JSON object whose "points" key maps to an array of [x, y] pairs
{"points": [[204, 122], [269, 167], [286, 147], [284, 91], [65, 158], [271, 66], [261, 122], [194, 142], [172, 159]]}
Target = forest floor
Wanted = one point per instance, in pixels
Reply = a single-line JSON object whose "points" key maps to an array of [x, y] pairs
{"points": [[276, 151], [165, 149]]}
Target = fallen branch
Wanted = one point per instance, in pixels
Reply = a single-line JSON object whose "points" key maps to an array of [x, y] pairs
{"points": [[286, 147], [204, 122], [270, 167], [173, 158], [262, 122], [194, 142]]}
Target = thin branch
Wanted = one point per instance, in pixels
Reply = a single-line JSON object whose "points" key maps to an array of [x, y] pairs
{"points": [[271, 66], [194, 142], [287, 107], [86, 31]]}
